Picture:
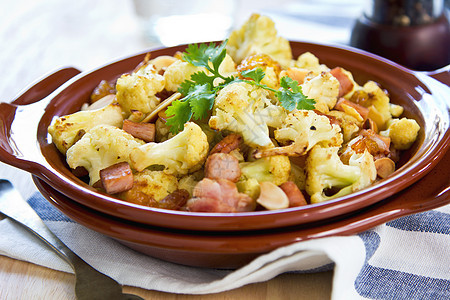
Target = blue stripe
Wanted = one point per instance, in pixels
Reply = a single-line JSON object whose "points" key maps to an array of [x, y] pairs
{"points": [[429, 221], [380, 283], [371, 241], [45, 210]]}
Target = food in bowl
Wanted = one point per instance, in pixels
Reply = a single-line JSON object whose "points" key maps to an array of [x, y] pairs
{"points": [[234, 127]]}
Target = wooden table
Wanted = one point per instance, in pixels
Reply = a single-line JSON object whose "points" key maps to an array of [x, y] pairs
{"points": [[22, 280]]}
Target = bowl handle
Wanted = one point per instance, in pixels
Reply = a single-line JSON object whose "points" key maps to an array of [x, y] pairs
{"points": [[19, 122], [442, 74]]}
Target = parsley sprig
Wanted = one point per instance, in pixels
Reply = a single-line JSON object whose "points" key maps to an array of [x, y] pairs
{"points": [[200, 92]]}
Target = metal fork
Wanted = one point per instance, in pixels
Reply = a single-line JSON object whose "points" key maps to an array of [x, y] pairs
{"points": [[90, 283]]}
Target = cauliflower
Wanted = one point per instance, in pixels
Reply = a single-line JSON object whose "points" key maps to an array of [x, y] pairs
{"points": [[188, 182], [258, 35], [150, 186], [67, 130], [242, 108], [275, 169], [301, 130], [377, 101], [180, 71], [403, 132], [249, 187], [270, 67], [182, 154], [137, 91], [101, 147], [326, 172], [349, 124], [298, 176], [310, 62], [177, 73], [323, 88]]}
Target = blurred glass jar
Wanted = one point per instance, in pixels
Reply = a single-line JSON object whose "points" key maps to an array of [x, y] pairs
{"points": [[413, 33]]}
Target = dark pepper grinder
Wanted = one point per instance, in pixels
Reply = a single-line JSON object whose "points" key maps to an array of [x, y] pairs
{"points": [[413, 33]]}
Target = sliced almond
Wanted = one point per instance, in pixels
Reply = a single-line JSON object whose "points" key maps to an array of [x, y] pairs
{"points": [[385, 167], [161, 106], [272, 197]]}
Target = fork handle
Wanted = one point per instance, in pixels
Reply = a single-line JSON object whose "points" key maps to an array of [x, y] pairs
{"points": [[13, 206]]}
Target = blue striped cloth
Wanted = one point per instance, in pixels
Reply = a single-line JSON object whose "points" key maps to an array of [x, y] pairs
{"points": [[407, 258]]}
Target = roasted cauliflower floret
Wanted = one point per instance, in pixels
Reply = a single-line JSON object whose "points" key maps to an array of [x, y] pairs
{"points": [[275, 169], [101, 147], [377, 101], [310, 62], [137, 91], [323, 88], [301, 130], [403, 132], [349, 124], [182, 154], [264, 62], [189, 181], [177, 73], [258, 35], [326, 172], [67, 130], [298, 176], [247, 110], [149, 187]]}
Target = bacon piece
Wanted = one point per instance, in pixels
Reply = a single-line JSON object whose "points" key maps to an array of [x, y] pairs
{"points": [[143, 131], [295, 74], [222, 166], [227, 144], [345, 83], [117, 178], [219, 195], [347, 106], [293, 193]]}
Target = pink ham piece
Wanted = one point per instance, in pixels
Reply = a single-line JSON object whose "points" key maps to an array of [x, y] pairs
{"points": [[143, 131], [345, 83], [219, 195], [117, 178]]}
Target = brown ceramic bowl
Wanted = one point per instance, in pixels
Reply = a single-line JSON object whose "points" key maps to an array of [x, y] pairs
{"points": [[237, 248], [24, 141]]}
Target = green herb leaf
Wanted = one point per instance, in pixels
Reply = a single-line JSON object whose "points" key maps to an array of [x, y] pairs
{"points": [[201, 99], [197, 55], [179, 113], [202, 55], [218, 55], [202, 78], [291, 96], [256, 74], [199, 92]]}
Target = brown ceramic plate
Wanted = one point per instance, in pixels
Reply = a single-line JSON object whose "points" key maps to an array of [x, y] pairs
{"points": [[235, 249], [24, 141]]}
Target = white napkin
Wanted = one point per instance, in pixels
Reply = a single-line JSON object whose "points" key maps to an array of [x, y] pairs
{"points": [[403, 259]]}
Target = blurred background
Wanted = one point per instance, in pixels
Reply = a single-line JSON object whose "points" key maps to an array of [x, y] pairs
{"points": [[38, 37]]}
